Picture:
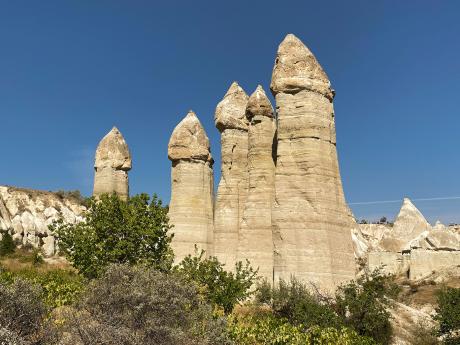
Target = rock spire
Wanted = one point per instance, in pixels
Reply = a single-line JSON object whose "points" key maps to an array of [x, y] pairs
{"points": [[255, 238], [230, 120], [311, 227], [191, 206], [111, 165]]}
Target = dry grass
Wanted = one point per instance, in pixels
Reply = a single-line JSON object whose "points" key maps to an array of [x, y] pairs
{"points": [[23, 259]]}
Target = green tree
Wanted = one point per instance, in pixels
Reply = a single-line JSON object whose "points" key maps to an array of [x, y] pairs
{"points": [[117, 231], [362, 305], [222, 288], [448, 314], [7, 245]]}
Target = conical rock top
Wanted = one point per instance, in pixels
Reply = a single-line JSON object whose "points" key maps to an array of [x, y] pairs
{"points": [[297, 69], [189, 140], [230, 112], [259, 104], [113, 152]]}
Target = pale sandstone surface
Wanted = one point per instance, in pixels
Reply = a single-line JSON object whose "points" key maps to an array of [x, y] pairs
{"points": [[311, 226], [111, 165], [409, 224], [26, 215], [191, 206], [230, 119], [255, 237], [425, 262]]}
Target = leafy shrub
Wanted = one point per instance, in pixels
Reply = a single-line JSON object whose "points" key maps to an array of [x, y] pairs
{"points": [[271, 330], [57, 287], [296, 303], [140, 305], [117, 231], [361, 304], [448, 314], [220, 287], [21, 310], [7, 245]]}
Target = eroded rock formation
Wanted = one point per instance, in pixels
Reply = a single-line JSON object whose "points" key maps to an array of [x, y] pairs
{"points": [[26, 215], [311, 227], [230, 120], [111, 165], [191, 206], [255, 237]]}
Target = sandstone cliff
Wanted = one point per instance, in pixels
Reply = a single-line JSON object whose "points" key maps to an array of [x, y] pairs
{"points": [[255, 237], [191, 206], [311, 226], [26, 214], [230, 120], [111, 165]]}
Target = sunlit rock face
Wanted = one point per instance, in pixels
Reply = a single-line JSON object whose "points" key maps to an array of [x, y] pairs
{"points": [[111, 165], [255, 238], [230, 119], [311, 226], [191, 206]]}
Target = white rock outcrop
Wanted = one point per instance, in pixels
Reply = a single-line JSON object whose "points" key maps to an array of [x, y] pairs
{"points": [[231, 121], [191, 206], [26, 215], [111, 165], [255, 236], [311, 226]]}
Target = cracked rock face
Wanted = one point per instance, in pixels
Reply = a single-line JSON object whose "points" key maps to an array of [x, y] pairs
{"points": [[191, 206], [111, 165], [311, 226], [255, 239], [26, 215], [230, 119]]}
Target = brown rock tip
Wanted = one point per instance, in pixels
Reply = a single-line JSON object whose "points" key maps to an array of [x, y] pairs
{"points": [[297, 69], [113, 152], [259, 104], [189, 141], [230, 112]]}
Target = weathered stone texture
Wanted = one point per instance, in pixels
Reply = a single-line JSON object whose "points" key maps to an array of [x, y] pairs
{"points": [[191, 206], [230, 119], [111, 165], [255, 238], [425, 262], [311, 226]]}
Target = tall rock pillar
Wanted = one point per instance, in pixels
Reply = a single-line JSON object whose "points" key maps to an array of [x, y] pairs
{"points": [[230, 119], [310, 223], [255, 240], [111, 165], [191, 206]]}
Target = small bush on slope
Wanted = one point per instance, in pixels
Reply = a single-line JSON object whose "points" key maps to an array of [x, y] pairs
{"points": [[448, 314], [7, 245], [220, 287], [138, 305], [117, 231]]}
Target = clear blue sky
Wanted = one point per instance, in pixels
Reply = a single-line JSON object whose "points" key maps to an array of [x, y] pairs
{"points": [[70, 70]]}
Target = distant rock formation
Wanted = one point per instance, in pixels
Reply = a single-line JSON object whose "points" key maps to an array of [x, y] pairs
{"points": [[310, 217], [255, 236], [410, 247], [230, 119], [191, 206], [111, 165], [26, 215]]}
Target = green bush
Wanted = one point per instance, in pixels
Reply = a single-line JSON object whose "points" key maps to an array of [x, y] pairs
{"points": [[448, 314], [140, 305], [296, 303], [7, 245], [222, 288], [57, 287], [271, 330], [117, 231], [362, 305]]}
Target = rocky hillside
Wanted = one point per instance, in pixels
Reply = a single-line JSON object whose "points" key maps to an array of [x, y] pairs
{"points": [[26, 214]]}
